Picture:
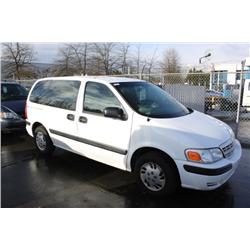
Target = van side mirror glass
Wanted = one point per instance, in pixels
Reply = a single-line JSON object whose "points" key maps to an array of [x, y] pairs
{"points": [[114, 112]]}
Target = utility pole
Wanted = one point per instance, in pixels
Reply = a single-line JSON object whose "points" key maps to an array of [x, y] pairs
{"points": [[239, 97]]}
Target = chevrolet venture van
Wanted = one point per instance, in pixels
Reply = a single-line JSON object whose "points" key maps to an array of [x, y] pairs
{"points": [[135, 126]]}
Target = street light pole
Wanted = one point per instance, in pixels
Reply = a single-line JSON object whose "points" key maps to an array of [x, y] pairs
{"points": [[209, 54]]}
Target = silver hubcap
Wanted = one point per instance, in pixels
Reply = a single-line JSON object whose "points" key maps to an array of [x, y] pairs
{"points": [[40, 141], [152, 176]]}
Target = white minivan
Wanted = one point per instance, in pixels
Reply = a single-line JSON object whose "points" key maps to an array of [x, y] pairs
{"points": [[135, 126]]}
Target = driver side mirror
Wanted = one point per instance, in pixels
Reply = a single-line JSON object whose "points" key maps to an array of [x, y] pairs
{"points": [[114, 112]]}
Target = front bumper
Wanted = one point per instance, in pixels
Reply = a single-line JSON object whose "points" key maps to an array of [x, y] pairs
{"points": [[209, 176]]}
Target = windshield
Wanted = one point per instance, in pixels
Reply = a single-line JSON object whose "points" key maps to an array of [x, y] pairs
{"points": [[149, 100], [10, 92]]}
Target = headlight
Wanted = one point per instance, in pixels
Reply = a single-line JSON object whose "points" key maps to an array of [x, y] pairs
{"points": [[204, 155], [8, 115]]}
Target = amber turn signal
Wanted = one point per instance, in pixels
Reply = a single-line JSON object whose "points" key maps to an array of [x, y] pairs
{"points": [[193, 156]]}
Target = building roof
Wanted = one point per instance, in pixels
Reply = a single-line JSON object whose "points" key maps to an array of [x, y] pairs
{"points": [[232, 67]]}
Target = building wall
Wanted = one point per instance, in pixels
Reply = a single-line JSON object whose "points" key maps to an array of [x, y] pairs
{"points": [[230, 72]]}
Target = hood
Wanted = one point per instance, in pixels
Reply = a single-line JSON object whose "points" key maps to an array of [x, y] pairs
{"points": [[17, 106], [196, 130]]}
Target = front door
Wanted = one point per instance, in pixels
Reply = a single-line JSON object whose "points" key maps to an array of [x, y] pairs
{"points": [[102, 138]]}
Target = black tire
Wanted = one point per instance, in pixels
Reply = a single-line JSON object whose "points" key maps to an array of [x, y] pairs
{"points": [[169, 171], [48, 147]]}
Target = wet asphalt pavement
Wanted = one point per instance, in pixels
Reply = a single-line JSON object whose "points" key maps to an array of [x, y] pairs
{"points": [[69, 180]]}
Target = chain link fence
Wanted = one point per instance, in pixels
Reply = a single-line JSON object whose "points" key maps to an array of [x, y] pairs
{"points": [[215, 93], [218, 95]]}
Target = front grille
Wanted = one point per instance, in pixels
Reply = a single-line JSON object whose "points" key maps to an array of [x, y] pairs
{"points": [[228, 149]]}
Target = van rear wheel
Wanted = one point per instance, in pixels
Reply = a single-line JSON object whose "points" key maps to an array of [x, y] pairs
{"points": [[156, 174], [42, 141]]}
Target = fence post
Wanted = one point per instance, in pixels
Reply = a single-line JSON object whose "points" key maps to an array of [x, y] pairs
{"points": [[211, 80], [239, 98], [162, 79]]}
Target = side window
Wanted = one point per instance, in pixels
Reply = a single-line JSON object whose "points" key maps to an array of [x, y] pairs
{"points": [[56, 93], [97, 97]]}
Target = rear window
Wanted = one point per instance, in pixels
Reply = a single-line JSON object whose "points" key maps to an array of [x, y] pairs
{"points": [[11, 92], [56, 93]]}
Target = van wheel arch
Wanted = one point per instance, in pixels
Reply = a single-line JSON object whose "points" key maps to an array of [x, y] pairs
{"points": [[139, 152], [35, 125], [42, 139]]}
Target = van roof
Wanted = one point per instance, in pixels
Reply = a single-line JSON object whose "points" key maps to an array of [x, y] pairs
{"points": [[107, 79]]}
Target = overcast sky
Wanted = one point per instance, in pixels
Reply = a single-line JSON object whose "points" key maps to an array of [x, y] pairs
{"points": [[189, 52]]}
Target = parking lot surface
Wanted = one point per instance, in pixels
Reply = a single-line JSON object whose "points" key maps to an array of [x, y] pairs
{"points": [[69, 180]]}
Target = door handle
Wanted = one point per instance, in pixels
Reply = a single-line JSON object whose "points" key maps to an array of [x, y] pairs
{"points": [[83, 119], [70, 117]]}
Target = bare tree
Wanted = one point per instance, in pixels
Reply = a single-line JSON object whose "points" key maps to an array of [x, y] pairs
{"points": [[152, 61], [73, 59], [138, 58], [141, 61], [62, 66], [87, 58], [106, 57], [80, 53], [170, 66], [171, 62], [17, 60], [124, 50]]}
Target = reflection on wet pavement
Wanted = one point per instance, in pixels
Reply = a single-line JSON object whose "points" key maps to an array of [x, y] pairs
{"points": [[69, 180]]}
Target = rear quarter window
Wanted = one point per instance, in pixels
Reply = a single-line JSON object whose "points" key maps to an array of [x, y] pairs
{"points": [[56, 93]]}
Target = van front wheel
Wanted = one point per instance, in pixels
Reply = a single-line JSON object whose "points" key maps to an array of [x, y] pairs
{"points": [[156, 174], [42, 141]]}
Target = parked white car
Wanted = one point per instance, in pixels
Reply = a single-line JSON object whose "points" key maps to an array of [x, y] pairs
{"points": [[135, 126]]}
